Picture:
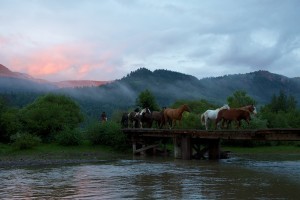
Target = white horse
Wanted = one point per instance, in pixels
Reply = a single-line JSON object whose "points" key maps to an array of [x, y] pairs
{"points": [[211, 115]]}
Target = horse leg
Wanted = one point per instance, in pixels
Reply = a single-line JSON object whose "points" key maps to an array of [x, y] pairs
{"points": [[217, 123], [206, 123], [170, 123]]}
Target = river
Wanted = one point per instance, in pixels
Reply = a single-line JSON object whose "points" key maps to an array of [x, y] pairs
{"points": [[263, 176]]}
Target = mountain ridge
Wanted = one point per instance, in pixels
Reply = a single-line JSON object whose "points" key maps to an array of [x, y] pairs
{"points": [[167, 87], [6, 72]]}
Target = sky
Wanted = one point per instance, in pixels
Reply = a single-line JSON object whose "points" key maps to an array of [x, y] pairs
{"points": [[107, 39]]}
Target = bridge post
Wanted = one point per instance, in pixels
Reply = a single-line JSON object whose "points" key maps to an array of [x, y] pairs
{"points": [[177, 147], [186, 147], [133, 146], [214, 149]]}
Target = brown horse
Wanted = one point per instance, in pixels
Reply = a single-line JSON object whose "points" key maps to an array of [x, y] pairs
{"points": [[172, 115], [232, 115], [158, 117]]}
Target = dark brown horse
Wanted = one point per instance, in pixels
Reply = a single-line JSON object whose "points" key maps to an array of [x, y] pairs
{"points": [[124, 120], [235, 114], [158, 117], [146, 118], [171, 115]]}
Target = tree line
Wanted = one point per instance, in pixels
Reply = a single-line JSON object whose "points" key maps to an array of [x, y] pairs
{"points": [[59, 118]]}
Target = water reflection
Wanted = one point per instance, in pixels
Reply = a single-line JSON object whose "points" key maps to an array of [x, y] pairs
{"points": [[157, 178]]}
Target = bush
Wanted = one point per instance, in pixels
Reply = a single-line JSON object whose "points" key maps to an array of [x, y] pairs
{"points": [[50, 114], [9, 124], [189, 121], [25, 140], [108, 133], [69, 137]]}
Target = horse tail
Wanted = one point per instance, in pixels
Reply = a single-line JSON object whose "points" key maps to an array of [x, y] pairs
{"points": [[202, 119]]}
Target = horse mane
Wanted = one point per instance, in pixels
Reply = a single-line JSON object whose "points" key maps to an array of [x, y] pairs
{"points": [[251, 108]]}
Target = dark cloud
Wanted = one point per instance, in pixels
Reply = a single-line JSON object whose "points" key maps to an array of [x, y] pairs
{"points": [[201, 38]]}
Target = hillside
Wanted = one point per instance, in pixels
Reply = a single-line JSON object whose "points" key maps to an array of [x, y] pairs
{"points": [[15, 77], [167, 86]]}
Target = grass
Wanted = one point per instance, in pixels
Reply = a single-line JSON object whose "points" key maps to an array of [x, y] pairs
{"points": [[56, 151], [263, 149]]}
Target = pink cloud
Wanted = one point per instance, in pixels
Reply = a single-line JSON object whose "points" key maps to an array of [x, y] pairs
{"points": [[64, 62]]}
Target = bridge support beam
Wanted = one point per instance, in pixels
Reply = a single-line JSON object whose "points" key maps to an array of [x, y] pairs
{"points": [[214, 149], [177, 147], [182, 147], [186, 148]]}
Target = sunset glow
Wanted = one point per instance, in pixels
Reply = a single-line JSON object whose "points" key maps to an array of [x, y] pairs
{"points": [[106, 40]]}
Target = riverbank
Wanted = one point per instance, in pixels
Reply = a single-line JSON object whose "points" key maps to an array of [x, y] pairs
{"points": [[289, 149], [52, 154]]}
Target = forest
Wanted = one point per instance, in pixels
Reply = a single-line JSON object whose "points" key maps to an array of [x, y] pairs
{"points": [[58, 118]]}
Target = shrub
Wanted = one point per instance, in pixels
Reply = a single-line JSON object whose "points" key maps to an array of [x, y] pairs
{"points": [[69, 137], [108, 133], [25, 140], [50, 114]]}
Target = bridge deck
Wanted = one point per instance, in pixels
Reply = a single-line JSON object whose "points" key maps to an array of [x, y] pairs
{"points": [[261, 134]]}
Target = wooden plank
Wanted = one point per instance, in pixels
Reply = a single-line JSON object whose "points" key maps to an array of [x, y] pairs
{"points": [[262, 134], [145, 148]]}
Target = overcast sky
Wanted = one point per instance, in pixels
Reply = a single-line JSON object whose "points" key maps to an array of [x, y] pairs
{"points": [[107, 39]]}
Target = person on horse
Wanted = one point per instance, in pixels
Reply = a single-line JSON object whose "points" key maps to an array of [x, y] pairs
{"points": [[103, 117]]}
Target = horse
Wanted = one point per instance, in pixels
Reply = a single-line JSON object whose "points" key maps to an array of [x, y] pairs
{"points": [[175, 114], [134, 119], [145, 118], [137, 117], [211, 115], [124, 120], [236, 115], [158, 117]]}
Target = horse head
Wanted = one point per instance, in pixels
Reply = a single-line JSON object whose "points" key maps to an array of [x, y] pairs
{"points": [[254, 110], [251, 108], [145, 111], [226, 106], [185, 107]]}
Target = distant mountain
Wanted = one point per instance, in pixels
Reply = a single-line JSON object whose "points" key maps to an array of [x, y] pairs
{"points": [[167, 86], [6, 73], [260, 85]]}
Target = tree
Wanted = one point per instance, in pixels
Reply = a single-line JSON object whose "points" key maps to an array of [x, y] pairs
{"points": [[9, 123], [282, 102], [147, 99], [282, 112], [50, 114], [240, 99]]}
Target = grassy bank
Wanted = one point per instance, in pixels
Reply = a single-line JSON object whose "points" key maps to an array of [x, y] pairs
{"points": [[58, 152], [264, 149]]}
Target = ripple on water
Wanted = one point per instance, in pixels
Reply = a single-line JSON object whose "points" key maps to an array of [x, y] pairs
{"points": [[154, 179]]}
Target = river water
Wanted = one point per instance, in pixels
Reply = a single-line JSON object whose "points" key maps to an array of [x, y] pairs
{"points": [[260, 176]]}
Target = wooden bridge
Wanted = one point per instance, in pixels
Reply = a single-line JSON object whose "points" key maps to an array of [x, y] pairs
{"points": [[188, 143]]}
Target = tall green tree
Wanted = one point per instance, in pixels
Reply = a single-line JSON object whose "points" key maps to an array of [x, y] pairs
{"points": [[240, 99], [50, 114], [281, 112], [147, 99], [282, 102]]}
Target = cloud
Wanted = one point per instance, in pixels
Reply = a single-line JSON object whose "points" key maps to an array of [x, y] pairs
{"points": [[108, 39]]}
